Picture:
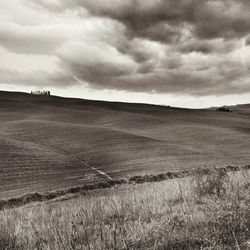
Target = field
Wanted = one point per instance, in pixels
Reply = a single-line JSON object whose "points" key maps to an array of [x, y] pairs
{"points": [[81, 174], [196, 212], [49, 143]]}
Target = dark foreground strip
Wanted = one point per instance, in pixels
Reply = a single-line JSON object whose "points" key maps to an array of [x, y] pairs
{"points": [[38, 197]]}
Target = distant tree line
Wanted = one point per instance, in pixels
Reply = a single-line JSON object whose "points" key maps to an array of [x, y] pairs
{"points": [[40, 92], [223, 109]]}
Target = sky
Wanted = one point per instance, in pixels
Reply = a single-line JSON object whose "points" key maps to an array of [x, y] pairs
{"points": [[186, 53]]}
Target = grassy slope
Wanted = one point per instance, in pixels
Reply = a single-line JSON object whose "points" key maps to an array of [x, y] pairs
{"points": [[50, 142], [198, 212]]}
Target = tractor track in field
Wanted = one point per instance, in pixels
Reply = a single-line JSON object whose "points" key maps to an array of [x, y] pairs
{"points": [[100, 172]]}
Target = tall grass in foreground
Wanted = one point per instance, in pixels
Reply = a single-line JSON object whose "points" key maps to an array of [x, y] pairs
{"points": [[199, 212]]}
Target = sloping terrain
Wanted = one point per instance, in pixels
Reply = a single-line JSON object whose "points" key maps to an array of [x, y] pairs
{"points": [[48, 142]]}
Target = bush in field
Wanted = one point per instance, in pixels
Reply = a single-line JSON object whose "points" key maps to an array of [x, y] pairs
{"points": [[211, 184], [223, 109]]}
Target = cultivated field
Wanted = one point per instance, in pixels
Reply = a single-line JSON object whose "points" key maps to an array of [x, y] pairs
{"points": [[49, 143]]}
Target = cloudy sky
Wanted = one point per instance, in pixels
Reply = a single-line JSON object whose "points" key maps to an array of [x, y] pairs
{"points": [[192, 53]]}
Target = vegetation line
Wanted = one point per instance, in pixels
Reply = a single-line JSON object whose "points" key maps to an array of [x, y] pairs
{"points": [[38, 197]]}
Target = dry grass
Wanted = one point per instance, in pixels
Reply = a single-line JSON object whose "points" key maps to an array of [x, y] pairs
{"points": [[201, 212]]}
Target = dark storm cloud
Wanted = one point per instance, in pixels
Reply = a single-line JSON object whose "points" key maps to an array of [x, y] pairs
{"points": [[203, 81], [163, 19], [192, 47], [208, 46], [248, 40]]}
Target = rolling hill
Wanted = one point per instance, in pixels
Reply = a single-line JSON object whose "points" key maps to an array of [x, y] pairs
{"points": [[49, 142]]}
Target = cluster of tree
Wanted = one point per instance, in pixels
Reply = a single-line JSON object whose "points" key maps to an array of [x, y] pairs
{"points": [[40, 92], [224, 109]]}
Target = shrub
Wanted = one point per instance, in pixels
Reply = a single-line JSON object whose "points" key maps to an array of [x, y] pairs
{"points": [[211, 184], [223, 109]]}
